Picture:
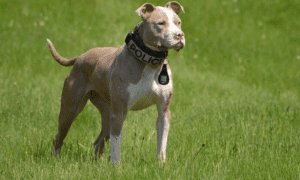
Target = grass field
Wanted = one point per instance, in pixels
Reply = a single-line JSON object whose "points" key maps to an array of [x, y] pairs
{"points": [[236, 105]]}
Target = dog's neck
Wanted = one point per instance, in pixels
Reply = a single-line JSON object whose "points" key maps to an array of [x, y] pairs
{"points": [[142, 52]]}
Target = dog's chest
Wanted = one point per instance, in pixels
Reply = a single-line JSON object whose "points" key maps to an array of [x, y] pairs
{"points": [[148, 91]]}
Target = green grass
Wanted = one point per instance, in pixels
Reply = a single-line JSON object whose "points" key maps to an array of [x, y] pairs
{"points": [[236, 106]]}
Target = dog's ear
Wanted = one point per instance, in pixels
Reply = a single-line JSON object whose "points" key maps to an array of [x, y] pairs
{"points": [[145, 10], [175, 6]]}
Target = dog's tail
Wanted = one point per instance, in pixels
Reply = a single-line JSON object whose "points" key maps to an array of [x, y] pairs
{"points": [[61, 60]]}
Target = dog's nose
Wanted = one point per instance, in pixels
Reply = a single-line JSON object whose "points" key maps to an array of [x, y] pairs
{"points": [[179, 35]]}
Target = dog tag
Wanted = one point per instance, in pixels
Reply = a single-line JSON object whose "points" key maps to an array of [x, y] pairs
{"points": [[163, 77]]}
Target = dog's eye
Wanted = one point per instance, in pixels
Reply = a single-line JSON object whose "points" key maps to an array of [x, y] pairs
{"points": [[161, 23], [179, 23]]}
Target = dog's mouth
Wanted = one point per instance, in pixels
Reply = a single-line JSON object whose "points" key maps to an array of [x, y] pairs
{"points": [[179, 46], [165, 45]]}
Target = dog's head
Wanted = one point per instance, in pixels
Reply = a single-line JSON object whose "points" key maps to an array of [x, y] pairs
{"points": [[162, 26]]}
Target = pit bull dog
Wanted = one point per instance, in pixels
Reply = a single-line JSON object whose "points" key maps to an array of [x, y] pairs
{"points": [[131, 77]]}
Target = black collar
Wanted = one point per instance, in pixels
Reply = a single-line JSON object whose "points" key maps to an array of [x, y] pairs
{"points": [[141, 52]]}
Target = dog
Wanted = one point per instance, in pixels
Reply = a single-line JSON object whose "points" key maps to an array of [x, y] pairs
{"points": [[131, 77]]}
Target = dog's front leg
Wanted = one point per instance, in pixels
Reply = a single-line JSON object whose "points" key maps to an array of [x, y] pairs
{"points": [[116, 122], [116, 139], [163, 126]]}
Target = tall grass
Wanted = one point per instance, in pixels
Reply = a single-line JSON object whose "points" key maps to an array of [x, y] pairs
{"points": [[235, 112]]}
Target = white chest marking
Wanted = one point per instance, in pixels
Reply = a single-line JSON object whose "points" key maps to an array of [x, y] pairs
{"points": [[148, 91]]}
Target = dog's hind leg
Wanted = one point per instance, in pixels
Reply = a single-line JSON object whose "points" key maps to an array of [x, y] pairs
{"points": [[104, 111], [73, 100]]}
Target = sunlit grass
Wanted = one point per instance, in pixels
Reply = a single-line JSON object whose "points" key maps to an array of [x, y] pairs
{"points": [[235, 111]]}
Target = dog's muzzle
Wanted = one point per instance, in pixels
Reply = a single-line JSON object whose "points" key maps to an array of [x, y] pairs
{"points": [[179, 46]]}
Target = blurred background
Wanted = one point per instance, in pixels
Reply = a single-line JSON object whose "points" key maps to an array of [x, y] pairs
{"points": [[255, 42]]}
